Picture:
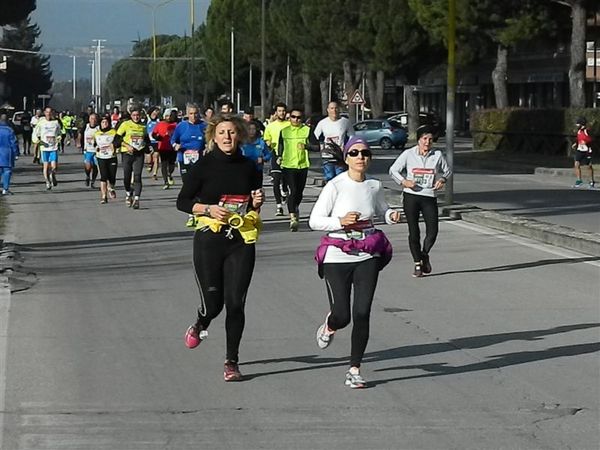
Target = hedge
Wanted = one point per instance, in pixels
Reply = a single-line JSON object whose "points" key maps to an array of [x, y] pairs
{"points": [[545, 131]]}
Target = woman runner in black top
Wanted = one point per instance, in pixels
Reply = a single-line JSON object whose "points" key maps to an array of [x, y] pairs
{"points": [[225, 183]]}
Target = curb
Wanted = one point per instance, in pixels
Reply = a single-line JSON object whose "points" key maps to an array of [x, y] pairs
{"points": [[560, 236], [554, 172]]}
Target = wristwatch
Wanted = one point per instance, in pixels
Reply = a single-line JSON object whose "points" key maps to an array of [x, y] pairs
{"points": [[207, 210]]}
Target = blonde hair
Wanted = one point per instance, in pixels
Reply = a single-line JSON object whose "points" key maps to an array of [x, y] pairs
{"points": [[238, 123]]}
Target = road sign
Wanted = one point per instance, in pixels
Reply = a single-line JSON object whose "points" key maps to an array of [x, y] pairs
{"points": [[44, 96], [357, 98]]}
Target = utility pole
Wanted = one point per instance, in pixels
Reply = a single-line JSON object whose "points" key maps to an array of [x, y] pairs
{"points": [[192, 52], [450, 97], [98, 66], [74, 79], [250, 88], [232, 64], [93, 66], [263, 80]]}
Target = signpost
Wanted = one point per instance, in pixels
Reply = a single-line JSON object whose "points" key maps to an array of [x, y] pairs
{"points": [[357, 99], [44, 97]]}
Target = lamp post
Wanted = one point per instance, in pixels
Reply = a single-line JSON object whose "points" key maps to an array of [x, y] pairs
{"points": [[450, 97], [263, 79], [192, 52], [154, 7]]}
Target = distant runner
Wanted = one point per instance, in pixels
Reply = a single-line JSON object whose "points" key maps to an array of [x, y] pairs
{"points": [[46, 137]]}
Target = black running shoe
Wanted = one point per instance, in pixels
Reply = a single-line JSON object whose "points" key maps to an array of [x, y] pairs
{"points": [[426, 265], [418, 272]]}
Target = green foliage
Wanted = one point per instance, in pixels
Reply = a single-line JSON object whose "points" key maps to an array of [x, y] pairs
{"points": [[547, 131], [26, 74], [14, 11]]}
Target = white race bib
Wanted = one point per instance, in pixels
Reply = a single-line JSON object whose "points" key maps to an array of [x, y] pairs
{"points": [[424, 177], [191, 156]]}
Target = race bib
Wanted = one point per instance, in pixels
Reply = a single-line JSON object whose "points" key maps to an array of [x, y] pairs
{"points": [[583, 148], [50, 140], [359, 229], [235, 203], [424, 177], [137, 142], [106, 150], [190, 156]]}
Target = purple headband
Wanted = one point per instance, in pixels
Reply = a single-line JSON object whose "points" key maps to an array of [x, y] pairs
{"points": [[353, 140]]}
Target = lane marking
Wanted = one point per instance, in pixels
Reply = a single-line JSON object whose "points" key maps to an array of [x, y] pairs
{"points": [[524, 241]]}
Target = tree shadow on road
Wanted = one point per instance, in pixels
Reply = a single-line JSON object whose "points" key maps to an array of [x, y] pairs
{"points": [[437, 369], [518, 266]]}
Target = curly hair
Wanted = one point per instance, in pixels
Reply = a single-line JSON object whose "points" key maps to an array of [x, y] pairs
{"points": [[238, 123]]}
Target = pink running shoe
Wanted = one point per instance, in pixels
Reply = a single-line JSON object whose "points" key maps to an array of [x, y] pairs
{"points": [[231, 372], [193, 337]]}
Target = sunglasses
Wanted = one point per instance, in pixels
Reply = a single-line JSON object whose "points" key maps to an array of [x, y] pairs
{"points": [[354, 153], [295, 117]]}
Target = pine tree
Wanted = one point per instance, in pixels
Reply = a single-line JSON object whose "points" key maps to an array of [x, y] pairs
{"points": [[14, 11], [27, 75]]}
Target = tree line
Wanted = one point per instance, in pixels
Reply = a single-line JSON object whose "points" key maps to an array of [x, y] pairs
{"points": [[350, 40], [27, 75]]}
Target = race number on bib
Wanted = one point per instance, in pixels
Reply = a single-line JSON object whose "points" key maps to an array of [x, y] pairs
{"points": [[190, 156], [235, 203], [424, 177], [50, 140], [137, 142], [106, 150], [583, 148]]}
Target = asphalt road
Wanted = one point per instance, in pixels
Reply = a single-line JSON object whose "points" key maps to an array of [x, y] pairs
{"points": [[497, 349]]}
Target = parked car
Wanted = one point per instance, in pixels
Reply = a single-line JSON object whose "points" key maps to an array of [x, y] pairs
{"points": [[425, 118], [381, 132]]}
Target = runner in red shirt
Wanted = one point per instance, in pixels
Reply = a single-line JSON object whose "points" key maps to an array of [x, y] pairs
{"points": [[162, 132], [583, 152]]}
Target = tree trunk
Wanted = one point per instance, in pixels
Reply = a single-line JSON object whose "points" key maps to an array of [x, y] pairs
{"points": [[499, 77], [307, 93], [577, 66], [412, 108], [324, 88], [348, 81], [270, 94], [376, 87]]}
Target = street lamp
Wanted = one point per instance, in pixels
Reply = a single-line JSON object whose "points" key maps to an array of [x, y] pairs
{"points": [[154, 7]]}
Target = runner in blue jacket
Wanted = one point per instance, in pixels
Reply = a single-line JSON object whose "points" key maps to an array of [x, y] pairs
{"points": [[9, 151]]}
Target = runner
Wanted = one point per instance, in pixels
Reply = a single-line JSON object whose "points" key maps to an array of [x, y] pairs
{"points": [[46, 137], [271, 137], [426, 173], [115, 117], [152, 158], [34, 120], [353, 252], [256, 149], [294, 144], [188, 142], [162, 134], [89, 151], [9, 152], [227, 108], [223, 185], [106, 141], [332, 129], [583, 152], [26, 131], [64, 126], [209, 112], [133, 147]]}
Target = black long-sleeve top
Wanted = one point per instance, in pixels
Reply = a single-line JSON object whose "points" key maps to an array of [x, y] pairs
{"points": [[215, 175]]}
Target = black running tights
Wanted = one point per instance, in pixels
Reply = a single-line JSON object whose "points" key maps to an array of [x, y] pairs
{"points": [[413, 206], [340, 278], [223, 269], [296, 181], [167, 165], [108, 170], [133, 163]]}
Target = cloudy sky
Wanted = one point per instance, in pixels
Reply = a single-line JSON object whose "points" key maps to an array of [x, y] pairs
{"points": [[69, 26]]}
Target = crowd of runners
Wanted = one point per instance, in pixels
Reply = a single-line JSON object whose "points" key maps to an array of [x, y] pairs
{"points": [[221, 157]]}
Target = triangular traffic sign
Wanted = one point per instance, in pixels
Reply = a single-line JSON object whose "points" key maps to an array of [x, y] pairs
{"points": [[357, 98]]}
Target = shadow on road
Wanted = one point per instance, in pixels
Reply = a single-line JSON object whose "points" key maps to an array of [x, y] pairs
{"points": [[527, 265], [439, 369]]}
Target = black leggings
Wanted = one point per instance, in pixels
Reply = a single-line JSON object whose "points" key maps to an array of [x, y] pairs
{"points": [[167, 164], [279, 182], [413, 205], [296, 181], [133, 164], [339, 278], [223, 272], [108, 170], [27, 142]]}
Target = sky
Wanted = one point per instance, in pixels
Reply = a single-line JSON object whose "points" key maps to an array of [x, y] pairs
{"points": [[69, 26]]}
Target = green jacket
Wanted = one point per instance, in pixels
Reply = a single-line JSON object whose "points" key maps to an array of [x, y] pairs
{"points": [[293, 142]]}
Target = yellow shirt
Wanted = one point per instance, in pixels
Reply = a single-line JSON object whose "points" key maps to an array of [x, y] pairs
{"points": [[294, 154], [134, 134], [271, 135], [104, 140]]}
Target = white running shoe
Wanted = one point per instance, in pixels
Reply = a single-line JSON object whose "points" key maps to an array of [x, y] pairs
{"points": [[324, 335], [354, 380]]}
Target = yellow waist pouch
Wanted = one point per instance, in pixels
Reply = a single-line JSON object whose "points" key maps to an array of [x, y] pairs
{"points": [[249, 225]]}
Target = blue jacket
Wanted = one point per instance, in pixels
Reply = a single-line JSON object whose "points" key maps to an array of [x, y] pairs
{"points": [[255, 150], [190, 136], [9, 148]]}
